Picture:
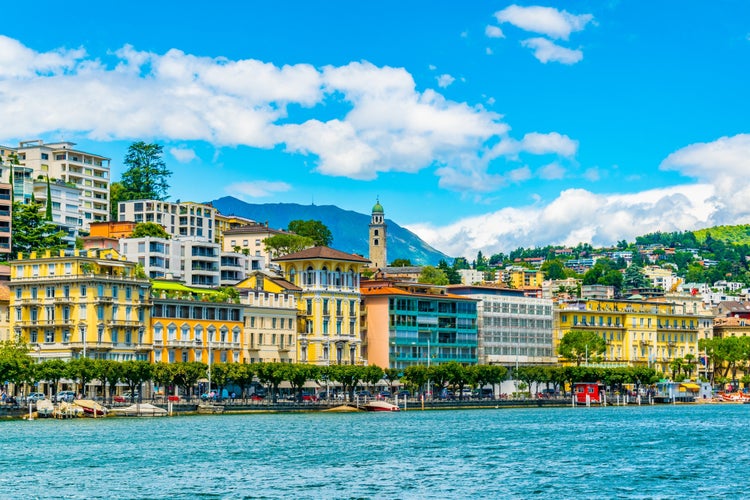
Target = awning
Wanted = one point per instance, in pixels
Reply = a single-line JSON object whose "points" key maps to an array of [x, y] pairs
{"points": [[691, 387]]}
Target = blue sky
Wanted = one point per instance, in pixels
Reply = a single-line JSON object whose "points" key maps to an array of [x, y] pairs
{"points": [[479, 125]]}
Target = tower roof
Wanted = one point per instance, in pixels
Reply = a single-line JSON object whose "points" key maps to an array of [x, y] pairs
{"points": [[378, 208]]}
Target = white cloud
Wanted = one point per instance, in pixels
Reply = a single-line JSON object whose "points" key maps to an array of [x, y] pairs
{"points": [[536, 143], [183, 155], [544, 20], [520, 174], [551, 172], [445, 80], [384, 123], [493, 32], [257, 189], [488, 51], [546, 51], [575, 216], [725, 164], [592, 174]]}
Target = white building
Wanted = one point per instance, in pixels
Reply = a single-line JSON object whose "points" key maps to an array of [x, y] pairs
{"points": [[66, 206], [513, 328], [471, 276], [185, 219], [89, 172]]}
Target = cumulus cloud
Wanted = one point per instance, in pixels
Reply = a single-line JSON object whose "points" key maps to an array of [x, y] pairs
{"points": [[575, 216], [183, 155], [544, 20], [493, 32], [725, 164], [551, 172], [384, 123], [546, 51], [536, 143], [257, 189], [445, 80]]}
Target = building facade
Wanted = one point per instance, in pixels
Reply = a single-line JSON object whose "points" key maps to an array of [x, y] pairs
{"points": [[513, 327], [270, 317], [636, 333], [328, 329], [249, 240], [184, 219], [80, 304], [405, 324]]}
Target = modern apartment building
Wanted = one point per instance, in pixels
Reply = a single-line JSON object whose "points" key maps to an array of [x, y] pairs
{"points": [[513, 327], [249, 240], [270, 317], [648, 333], [6, 218], [406, 323], [190, 324], [80, 304], [65, 200], [61, 161], [328, 304], [179, 219]]}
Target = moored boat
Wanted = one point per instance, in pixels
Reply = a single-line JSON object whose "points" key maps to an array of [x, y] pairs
{"points": [[140, 410], [380, 406], [90, 407]]}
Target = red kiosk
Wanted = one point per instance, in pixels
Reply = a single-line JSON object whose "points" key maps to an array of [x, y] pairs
{"points": [[594, 391]]}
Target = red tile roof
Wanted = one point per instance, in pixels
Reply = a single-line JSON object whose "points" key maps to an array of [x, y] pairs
{"points": [[321, 253]]}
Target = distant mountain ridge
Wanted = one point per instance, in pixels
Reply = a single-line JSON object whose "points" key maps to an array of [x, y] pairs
{"points": [[350, 229]]}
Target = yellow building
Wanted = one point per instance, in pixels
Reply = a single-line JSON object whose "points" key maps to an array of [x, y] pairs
{"points": [[270, 317], [195, 324], [329, 302], [524, 278], [227, 222], [645, 333], [80, 304]]}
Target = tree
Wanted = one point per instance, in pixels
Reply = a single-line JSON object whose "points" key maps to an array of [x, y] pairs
{"points": [[298, 374], [401, 263], [242, 374], [272, 374], [135, 373], [634, 278], [220, 376], [48, 203], [313, 229], [110, 373], [144, 229], [84, 370], [393, 375], [52, 370], [163, 376], [577, 344], [15, 362], [553, 270], [433, 275], [452, 274], [282, 244], [416, 375], [146, 175], [186, 375], [116, 195], [372, 374], [349, 376], [458, 376], [31, 232]]}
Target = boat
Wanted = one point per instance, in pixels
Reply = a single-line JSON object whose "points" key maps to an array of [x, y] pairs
{"points": [[380, 406], [67, 410], [90, 407], [140, 410], [343, 409], [44, 408]]}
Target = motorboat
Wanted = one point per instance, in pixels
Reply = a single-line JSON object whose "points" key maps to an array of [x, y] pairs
{"points": [[380, 406], [140, 410], [91, 407]]}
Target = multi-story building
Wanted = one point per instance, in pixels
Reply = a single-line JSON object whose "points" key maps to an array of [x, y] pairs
{"points": [[597, 292], [513, 327], [647, 333], [328, 304], [61, 161], [226, 222], [65, 200], [190, 324], [520, 277], [566, 289], [663, 278], [270, 317], [4, 312], [471, 276], [80, 304], [249, 240], [111, 229], [405, 323], [6, 217], [179, 219]]}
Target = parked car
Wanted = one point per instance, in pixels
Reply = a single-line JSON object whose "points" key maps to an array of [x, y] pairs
{"points": [[35, 396], [66, 396]]}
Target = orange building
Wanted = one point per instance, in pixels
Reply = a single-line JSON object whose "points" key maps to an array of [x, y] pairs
{"points": [[111, 229]]}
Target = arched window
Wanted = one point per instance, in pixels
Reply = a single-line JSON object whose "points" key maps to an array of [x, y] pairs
{"points": [[172, 332], [292, 276], [324, 276], [310, 276], [337, 277], [185, 332], [198, 334]]}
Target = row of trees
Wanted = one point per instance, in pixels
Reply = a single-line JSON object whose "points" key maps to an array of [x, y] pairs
{"points": [[555, 377]]}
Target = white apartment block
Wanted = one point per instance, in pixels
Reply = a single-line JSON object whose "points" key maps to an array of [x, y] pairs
{"points": [[249, 240], [66, 206], [471, 276], [179, 219], [197, 263], [88, 172], [513, 328]]}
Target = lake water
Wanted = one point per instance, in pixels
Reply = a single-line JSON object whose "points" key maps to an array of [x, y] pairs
{"points": [[666, 451]]}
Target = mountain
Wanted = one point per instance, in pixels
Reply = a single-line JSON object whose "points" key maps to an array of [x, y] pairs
{"points": [[350, 229]]}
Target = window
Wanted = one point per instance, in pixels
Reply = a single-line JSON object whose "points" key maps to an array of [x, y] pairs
{"points": [[49, 336]]}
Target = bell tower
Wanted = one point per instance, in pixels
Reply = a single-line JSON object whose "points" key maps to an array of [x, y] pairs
{"points": [[377, 237]]}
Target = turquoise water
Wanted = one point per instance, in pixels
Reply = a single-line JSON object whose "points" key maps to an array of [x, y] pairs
{"points": [[645, 452]]}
